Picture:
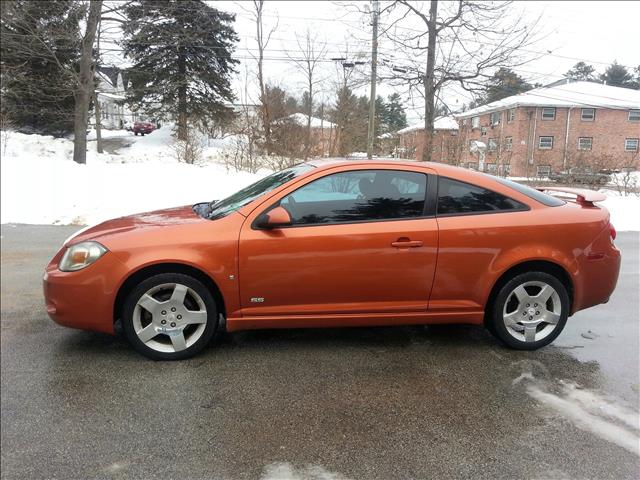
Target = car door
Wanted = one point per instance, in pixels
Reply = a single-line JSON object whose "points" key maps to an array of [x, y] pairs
{"points": [[362, 240]]}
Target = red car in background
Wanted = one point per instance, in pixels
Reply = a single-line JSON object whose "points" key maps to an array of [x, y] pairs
{"points": [[143, 127]]}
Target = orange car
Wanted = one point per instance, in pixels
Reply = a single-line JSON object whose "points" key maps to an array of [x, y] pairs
{"points": [[341, 243]]}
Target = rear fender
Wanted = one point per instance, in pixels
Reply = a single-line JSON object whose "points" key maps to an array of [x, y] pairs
{"points": [[532, 253]]}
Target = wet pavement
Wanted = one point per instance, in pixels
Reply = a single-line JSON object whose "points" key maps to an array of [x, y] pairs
{"points": [[372, 403]]}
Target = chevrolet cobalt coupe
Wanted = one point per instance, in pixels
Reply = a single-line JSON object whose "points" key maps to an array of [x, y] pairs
{"points": [[337, 244]]}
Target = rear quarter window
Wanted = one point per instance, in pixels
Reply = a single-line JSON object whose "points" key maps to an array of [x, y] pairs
{"points": [[461, 198], [548, 200]]}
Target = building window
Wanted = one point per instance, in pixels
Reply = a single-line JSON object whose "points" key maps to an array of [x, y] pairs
{"points": [[464, 122], [588, 114], [585, 143], [543, 170], [475, 122], [512, 115], [495, 118], [631, 144], [483, 131], [548, 113], [545, 143], [508, 143], [493, 145], [634, 115], [491, 168], [473, 165]]}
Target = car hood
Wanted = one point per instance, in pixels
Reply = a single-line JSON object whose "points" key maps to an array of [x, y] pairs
{"points": [[147, 220]]}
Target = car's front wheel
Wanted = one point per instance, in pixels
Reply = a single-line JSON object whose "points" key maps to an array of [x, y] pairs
{"points": [[529, 311], [169, 316]]}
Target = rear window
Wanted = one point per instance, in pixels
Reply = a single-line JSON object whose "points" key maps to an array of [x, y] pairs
{"points": [[537, 195]]}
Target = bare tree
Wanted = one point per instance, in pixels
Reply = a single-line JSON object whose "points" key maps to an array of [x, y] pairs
{"points": [[84, 87], [262, 41], [104, 27], [311, 53], [462, 43]]}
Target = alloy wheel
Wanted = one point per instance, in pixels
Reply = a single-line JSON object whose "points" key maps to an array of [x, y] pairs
{"points": [[532, 311], [170, 317]]}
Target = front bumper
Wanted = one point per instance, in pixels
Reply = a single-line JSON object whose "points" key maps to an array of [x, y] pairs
{"points": [[84, 299]]}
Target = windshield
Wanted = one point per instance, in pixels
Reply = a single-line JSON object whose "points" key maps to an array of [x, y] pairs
{"points": [[543, 198], [242, 197]]}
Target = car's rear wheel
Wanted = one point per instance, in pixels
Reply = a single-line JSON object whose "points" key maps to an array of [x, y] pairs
{"points": [[169, 316], [529, 311]]}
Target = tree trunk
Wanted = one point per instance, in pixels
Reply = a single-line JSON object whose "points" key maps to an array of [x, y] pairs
{"points": [[266, 120], [307, 147], [429, 84], [85, 84], [182, 97], [98, 110], [96, 103]]}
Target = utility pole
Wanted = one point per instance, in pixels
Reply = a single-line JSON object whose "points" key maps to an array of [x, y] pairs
{"points": [[374, 68], [429, 87]]}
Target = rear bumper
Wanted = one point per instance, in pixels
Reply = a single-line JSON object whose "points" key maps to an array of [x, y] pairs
{"points": [[597, 279], [83, 299]]}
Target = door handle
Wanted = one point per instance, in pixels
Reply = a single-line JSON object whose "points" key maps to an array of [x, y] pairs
{"points": [[407, 243]]}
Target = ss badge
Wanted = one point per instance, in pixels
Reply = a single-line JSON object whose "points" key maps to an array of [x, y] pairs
{"points": [[257, 299]]}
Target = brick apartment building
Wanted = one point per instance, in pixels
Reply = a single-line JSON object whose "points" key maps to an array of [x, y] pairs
{"points": [[553, 128], [446, 145]]}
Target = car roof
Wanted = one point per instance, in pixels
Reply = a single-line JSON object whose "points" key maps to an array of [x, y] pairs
{"points": [[440, 168]]}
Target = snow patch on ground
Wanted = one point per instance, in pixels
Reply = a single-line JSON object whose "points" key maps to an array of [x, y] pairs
{"points": [[592, 412], [286, 471], [40, 183], [602, 415]]}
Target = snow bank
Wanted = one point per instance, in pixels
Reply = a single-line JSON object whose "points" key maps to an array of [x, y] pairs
{"points": [[625, 211], [41, 184]]}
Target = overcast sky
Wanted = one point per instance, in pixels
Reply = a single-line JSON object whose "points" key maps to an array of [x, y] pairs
{"points": [[596, 32]]}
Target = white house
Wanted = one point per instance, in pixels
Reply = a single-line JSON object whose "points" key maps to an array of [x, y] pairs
{"points": [[111, 90]]}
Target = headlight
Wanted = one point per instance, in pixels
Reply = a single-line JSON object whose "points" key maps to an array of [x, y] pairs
{"points": [[81, 255]]}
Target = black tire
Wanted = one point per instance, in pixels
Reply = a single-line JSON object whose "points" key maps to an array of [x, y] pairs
{"points": [[135, 133], [142, 133], [169, 278], [496, 325]]}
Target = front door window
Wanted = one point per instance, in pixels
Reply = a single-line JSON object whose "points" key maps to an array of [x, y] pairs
{"points": [[358, 196]]}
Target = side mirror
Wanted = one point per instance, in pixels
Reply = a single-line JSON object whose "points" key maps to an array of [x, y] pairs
{"points": [[276, 218]]}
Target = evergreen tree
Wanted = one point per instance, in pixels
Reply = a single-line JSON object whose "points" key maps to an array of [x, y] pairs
{"points": [[581, 71], [350, 115], [504, 83], [40, 47], [306, 104], [181, 60], [618, 76], [396, 118], [382, 114], [279, 102]]}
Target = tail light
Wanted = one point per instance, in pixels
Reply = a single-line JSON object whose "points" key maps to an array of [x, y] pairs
{"points": [[612, 231]]}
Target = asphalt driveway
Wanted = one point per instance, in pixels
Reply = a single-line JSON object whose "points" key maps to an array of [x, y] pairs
{"points": [[375, 403]]}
